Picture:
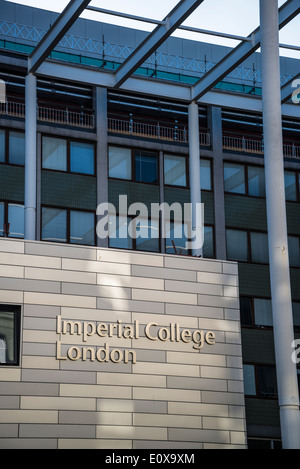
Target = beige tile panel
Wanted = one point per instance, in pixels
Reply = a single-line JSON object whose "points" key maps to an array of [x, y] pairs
{"points": [[190, 287], [90, 390], [158, 272], [219, 325], [136, 433], [238, 438], [167, 369], [45, 363], [99, 315], [215, 436], [129, 305], [60, 275], [59, 300], [167, 297], [218, 301], [187, 408], [11, 271], [210, 359], [162, 420], [165, 320], [198, 311], [47, 337], [203, 265], [10, 374], [9, 245], [221, 279], [221, 373], [77, 443], [230, 268], [115, 405], [119, 256], [126, 379], [30, 260], [130, 282], [57, 403], [95, 418], [95, 341], [94, 266], [96, 290], [158, 394], [212, 397], [28, 416], [10, 296], [230, 291], [60, 250]]}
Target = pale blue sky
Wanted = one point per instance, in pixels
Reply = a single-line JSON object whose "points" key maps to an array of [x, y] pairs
{"points": [[239, 17]]}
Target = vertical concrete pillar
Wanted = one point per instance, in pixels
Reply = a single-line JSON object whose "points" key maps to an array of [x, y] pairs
{"points": [[215, 125], [194, 170], [102, 151], [30, 156], [161, 200], [288, 395]]}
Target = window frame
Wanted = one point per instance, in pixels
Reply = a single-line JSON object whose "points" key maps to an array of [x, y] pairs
{"points": [[68, 211], [68, 155], [7, 131], [16, 309], [6, 221], [249, 249], [259, 395]]}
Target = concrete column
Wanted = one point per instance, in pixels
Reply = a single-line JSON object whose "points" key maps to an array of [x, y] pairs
{"points": [[102, 151], [161, 200], [30, 156], [277, 228], [215, 125], [194, 170]]}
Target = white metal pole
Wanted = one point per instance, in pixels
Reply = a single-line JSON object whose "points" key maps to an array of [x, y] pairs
{"points": [[30, 156], [194, 173], [288, 394]]}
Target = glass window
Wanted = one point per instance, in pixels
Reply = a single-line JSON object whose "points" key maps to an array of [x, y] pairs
{"points": [[82, 157], [16, 220], [205, 175], [176, 239], [175, 170], [249, 380], [208, 247], [149, 234], [266, 377], [146, 167], [294, 251], [259, 248], [237, 245], [256, 181], [2, 146], [54, 224], [290, 185], [17, 148], [296, 314], [2, 207], [234, 178], [120, 163], [82, 228], [246, 311], [54, 153], [9, 335], [263, 312], [118, 232]]}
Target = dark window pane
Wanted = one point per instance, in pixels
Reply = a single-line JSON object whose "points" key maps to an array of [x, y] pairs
{"points": [[118, 232], [17, 148], [82, 157], [259, 248], [120, 163], [175, 170], [205, 175], [9, 330], [54, 153], [1, 219], [2, 146], [82, 229], [294, 251], [256, 181], [146, 167], [16, 220], [290, 185], [234, 178], [237, 245], [266, 376], [208, 247], [246, 311], [54, 225]]}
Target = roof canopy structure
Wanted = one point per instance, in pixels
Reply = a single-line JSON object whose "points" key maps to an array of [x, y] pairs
{"points": [[125, 78]]}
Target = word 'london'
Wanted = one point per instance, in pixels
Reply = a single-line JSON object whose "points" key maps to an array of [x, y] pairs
{"points": [[172, 333]]}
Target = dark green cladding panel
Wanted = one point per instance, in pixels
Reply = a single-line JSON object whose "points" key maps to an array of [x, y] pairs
{"points": [[69, 190], [12, 183], [293, 218], [262, 413], [175, 194], [135, 192], [245, 212], [258, 346]]}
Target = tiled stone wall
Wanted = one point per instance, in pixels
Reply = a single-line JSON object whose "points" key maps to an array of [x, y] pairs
{"points": [[173, 396]]}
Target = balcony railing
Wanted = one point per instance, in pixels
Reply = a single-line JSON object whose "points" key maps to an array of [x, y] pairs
{"points": [[156, 131], [45, 114]]}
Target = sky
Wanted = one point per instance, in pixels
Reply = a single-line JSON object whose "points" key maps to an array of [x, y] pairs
{"points": [[238, 17]]}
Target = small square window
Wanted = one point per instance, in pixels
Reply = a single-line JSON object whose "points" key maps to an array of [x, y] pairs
{"points": [[10, 318]]}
